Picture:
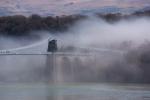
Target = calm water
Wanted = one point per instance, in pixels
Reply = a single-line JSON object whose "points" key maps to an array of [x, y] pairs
{"points": [[74, 92], [66, 71]]}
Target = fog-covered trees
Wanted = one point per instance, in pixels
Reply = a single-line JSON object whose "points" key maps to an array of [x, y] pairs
{"points": [[140, 57], [20, 25]]}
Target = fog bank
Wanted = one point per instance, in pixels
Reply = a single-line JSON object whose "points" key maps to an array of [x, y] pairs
{"points": [[95, 35]]}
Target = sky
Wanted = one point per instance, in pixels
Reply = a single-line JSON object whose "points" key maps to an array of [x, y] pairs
{"points": [[60, 7]]}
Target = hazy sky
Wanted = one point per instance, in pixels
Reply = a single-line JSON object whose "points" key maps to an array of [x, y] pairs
{"points": [[65, 6]]}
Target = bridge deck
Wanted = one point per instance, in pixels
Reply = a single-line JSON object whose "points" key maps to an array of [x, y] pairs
{"points": [[46, 53]]}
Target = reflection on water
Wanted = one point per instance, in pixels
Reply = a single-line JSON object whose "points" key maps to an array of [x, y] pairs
{"points": [[64, 78], [74, 92]]}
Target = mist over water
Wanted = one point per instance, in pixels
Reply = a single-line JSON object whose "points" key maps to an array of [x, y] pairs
{"points": [[109, 44], [111, 52]]}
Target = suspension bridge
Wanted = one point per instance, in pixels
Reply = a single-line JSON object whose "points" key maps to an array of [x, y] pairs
{"points": [[35, 49]]}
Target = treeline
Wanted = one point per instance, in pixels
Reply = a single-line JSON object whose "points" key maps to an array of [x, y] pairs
{"points": [[118, 16], [19, 25]]}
